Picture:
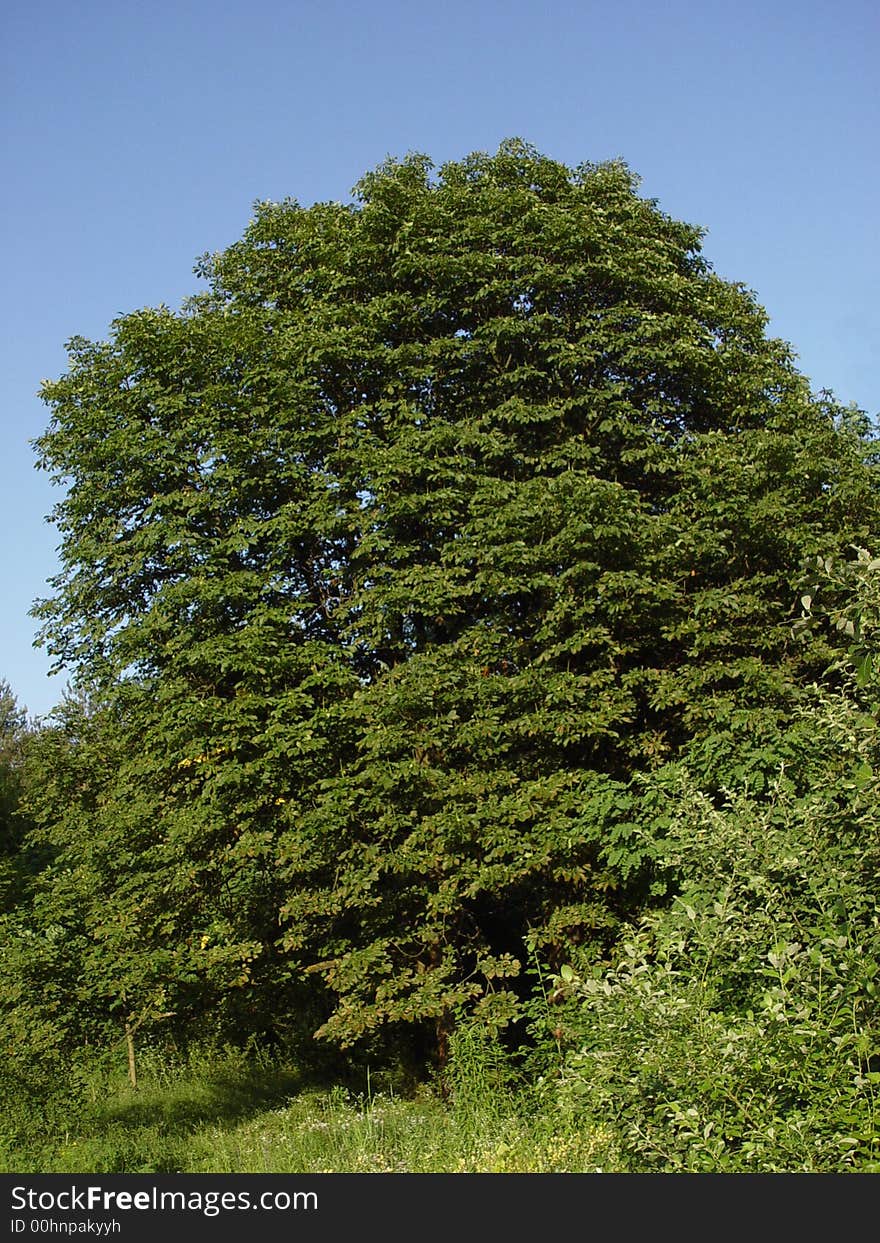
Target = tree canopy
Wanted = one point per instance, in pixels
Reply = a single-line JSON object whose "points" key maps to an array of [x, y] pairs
{"points": [[394, 564]]}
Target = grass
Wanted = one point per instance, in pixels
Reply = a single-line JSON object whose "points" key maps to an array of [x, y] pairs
{"points": [[335, 1132], [223, 1113]]}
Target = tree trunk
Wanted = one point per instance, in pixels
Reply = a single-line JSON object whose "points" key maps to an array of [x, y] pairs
{"points": [[129, 1044], [443, 1032]]}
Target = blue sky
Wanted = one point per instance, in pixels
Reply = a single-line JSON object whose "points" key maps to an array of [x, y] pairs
{"points": [[137, 136]]}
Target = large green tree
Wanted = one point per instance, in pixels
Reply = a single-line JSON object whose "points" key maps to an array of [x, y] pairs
{"points": [[395, 555]]}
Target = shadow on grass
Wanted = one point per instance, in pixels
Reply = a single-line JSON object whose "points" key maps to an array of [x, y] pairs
{"points": [[220, 1096], [100, 1124], [151, 1130]]}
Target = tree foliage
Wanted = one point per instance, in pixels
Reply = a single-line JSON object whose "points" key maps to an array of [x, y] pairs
{"points": [[393, 562], [13, 735], [737, 1027]]}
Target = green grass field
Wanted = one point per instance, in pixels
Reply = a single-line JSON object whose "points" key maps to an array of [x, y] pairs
{"points": [[221, 1113]]}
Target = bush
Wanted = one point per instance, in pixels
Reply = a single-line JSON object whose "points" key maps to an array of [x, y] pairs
{"points": [[737, 1028]]}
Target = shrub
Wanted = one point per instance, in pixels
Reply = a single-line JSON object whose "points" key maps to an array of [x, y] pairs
{"points": [[737, 1027]]}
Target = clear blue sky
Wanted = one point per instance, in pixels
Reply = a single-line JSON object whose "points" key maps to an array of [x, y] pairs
{"points": [[136, 136]]}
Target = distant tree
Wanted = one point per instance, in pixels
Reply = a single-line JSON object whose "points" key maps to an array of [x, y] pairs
{"points": [[13, 725], [395, 556], [13, 731]]}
